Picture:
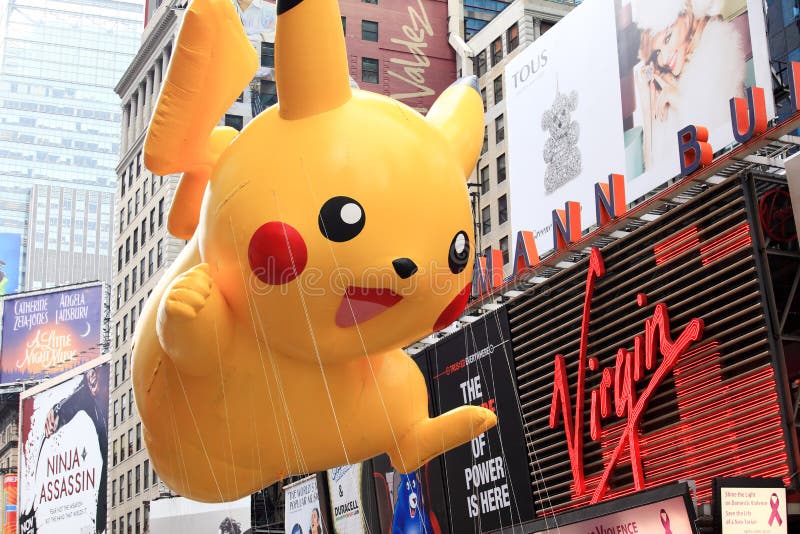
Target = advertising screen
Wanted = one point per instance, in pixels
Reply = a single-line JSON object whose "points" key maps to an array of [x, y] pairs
{"points": [[302, 507], [609, 87], [178, 515], [50, 332], [10, 245], [487, 482], [63, 454]]}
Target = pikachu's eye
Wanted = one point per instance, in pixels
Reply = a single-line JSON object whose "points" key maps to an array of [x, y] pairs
{"points": [[458, 256], [341, 219]]}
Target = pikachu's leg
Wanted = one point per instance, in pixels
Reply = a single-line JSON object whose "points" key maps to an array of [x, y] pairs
{"points": [[193, 319], [417, 438]]}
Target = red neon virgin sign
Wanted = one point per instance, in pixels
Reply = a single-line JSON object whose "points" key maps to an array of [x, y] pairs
{"points": [[628, 370]]}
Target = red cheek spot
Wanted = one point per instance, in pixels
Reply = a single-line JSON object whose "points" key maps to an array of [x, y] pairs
{"points": [[277, 253], [454, 309]]}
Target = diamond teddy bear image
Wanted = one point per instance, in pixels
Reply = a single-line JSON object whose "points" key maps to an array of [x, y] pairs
{"points": [[561, 153]]}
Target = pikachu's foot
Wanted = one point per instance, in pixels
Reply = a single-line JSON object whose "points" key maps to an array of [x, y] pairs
{"points": [[432, 437], [193, 319]]}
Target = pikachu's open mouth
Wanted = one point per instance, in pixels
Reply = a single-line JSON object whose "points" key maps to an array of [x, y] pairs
{"points": [[360, 304]]}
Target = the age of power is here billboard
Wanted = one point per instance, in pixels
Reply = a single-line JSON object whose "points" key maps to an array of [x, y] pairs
{"points": [[609, 87], [50, 332]]}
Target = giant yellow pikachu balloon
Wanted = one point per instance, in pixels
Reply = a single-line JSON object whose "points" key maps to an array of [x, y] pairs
{"points": [[332, 231]]}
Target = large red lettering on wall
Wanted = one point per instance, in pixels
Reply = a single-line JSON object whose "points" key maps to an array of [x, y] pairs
{"points": [[629, 369]]}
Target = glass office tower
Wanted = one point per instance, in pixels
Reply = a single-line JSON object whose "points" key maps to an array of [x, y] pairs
{"points": [[59, 126]]}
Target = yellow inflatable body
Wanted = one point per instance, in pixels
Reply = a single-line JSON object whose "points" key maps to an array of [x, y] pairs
{"points": [[332, 231]]}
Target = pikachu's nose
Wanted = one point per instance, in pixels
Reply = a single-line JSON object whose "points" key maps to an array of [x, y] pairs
{"points": [[404, 267]]}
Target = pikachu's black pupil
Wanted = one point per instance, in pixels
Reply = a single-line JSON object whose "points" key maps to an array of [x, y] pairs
{"points": [[341, 219], [458, 255]]}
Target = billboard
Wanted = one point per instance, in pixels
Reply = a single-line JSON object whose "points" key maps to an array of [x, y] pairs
{"points": [[487, 481], [302, 508], [649, 362], [63, 453], [10, 245], [178, 515], [50, 332], [750, 506], [347, 499], [575, 117], [10, 503]]}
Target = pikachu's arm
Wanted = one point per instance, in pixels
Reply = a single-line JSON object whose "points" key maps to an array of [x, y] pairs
{"points": [[194, 323], [185, 211], [213, 61]]}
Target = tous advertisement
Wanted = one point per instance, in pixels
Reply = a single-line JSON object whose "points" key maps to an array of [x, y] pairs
{"points": [[64, 435], [50, 332], [576, 117]]}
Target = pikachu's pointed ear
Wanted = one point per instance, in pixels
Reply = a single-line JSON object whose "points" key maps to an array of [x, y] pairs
{"points": [[458, 113], [213, 61]]}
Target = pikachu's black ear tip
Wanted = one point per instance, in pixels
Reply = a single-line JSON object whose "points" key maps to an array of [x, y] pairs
{"points": [[286, 5], [469, 81]]}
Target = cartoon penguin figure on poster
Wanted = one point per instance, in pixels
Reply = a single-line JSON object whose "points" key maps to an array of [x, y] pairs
{"points": [[409, 515]]}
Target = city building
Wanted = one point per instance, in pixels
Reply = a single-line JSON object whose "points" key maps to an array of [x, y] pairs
{"points": [[59, 121], [399, 48], [143, 250], [69, 235], [486, 54]]}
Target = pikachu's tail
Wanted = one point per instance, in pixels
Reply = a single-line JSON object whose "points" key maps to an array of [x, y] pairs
{"points": [[213, 61]]}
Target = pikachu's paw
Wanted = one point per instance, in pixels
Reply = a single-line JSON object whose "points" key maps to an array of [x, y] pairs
{"points": [[189, 293]]}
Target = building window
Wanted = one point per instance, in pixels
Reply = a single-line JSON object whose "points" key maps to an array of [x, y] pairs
{"points": [[121, 220], [512, 38], [267, 54], [144, 191], [127, 250], [122, 193], [138, 199], [130, 412], [138, 488], [161, 211], [116, 372], [268, 93], [369, 30], [130, 438], [501, 168], [114, 521], [344, 25], [122, 414], [502, 209], [480, 63], [504, 249], [544, 26], [116, 342], [485, 184], [486, 220], [485, 145], [130, 514], [124, 373], [370, 1], [135, 240], [234, 121], [150, 262], [121, 459], [114, 497], [369, 70], [497, 51], [141, 272], [139, 433], [116, 415], [146, 473], [152, 221], [138, 524], [159, 252], [143, 233], [498, 89], [483, 98], [119, 261], [115, 449], [499, 129], [130, 210]]}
